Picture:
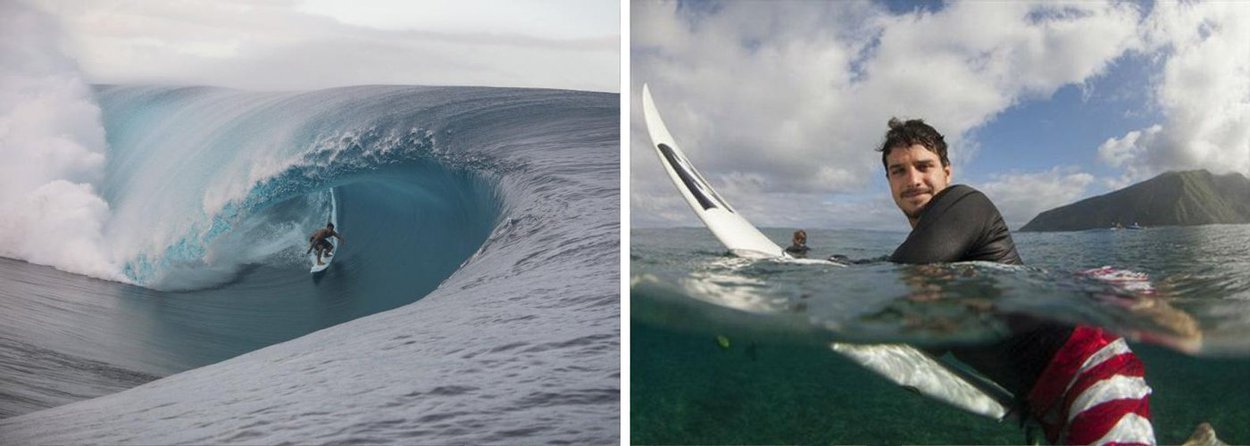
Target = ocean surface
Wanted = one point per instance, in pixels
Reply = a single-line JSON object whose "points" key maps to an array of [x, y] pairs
{"points": [[727, 350], [481, 232]]}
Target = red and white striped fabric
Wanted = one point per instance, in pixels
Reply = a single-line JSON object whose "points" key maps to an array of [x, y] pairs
{"points": [[1093, 392]]}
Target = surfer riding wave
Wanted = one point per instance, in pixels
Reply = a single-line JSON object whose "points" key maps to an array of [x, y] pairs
{"points": [[320, 241]]}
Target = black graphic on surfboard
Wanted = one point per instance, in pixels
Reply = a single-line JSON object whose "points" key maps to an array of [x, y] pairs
{"points": [[692, 180]]}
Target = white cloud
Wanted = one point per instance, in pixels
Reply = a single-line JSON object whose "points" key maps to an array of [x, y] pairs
{"points": [[1128, 152], [1020, 196], [1203, 92], [273, 45], [1119, 152], [796, 95], [564, 19]]}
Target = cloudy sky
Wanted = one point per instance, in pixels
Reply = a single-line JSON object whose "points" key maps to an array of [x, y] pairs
{"points": [[780, 105], [308, 44]]}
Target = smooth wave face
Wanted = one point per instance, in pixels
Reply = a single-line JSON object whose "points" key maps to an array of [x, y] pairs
{"points": [[500, 206]]}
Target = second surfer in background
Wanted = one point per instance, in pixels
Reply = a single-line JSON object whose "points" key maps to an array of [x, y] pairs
{"points": [[798, 247], [320, 241]]}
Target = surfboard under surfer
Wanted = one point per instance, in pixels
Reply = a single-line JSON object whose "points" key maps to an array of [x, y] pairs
{"points": [[320, 241], [1081, 384]]}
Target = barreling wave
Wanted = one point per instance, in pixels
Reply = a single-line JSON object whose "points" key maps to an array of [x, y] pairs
{"points": [[205, 182], [497, 209], [200, 183], [481, 248]]}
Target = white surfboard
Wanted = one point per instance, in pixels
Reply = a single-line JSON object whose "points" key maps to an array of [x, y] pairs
{"points": [[902, 364], [735, 232], [326, 259]]}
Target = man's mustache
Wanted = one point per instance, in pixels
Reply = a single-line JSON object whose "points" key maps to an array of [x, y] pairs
{"points": [[917, 191]]}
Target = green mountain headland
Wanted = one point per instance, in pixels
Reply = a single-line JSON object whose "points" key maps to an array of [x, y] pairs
{"points": [[1188, 198]]}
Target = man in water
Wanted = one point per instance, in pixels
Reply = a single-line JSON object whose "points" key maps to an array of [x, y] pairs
{"points": [[320, 240], [1081, 384], [798, 247]]}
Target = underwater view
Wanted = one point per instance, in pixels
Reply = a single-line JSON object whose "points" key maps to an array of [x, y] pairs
{"points": [[737, 351]]}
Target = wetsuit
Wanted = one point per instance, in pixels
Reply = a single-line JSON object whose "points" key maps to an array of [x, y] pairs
{"points": [[798, 251], [959, 224], [1082, 385]]}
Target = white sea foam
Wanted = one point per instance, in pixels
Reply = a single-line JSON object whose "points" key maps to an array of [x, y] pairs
{"points": [[52, 146]]}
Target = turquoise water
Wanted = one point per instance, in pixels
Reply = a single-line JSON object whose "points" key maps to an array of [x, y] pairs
{"points": [[777, 382], [686, 389]]}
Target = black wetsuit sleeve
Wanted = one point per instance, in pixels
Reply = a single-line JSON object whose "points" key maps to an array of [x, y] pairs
{"points": [[959, 224], [798, 251]]}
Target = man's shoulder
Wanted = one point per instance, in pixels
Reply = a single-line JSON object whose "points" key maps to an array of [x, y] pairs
{"points": [[960, 190], [958, 201], [955, 194], [966, 194]]}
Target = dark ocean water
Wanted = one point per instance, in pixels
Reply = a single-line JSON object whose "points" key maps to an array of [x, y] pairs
{"points": [[212, 195], [728, 351]]}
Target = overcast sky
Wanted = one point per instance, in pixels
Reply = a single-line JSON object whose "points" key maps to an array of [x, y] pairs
{"points": [[780, 105], [309, 44]]}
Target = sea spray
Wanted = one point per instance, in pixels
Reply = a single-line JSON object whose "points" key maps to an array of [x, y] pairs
{"points": [[53, 149]]}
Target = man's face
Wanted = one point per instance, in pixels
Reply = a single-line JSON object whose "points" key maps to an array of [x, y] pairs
{"points": [[916, 175]]}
